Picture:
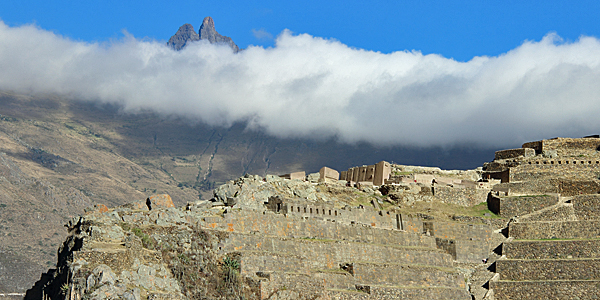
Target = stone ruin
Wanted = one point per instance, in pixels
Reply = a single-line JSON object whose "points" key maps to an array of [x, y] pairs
{"points": [[292, 240]]}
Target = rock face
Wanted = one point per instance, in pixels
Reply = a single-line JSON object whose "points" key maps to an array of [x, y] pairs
{"points": [[183, 36], [186, 34]]}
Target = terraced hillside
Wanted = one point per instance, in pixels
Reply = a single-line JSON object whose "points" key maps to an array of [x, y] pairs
{"points": [[553, 254], [262, 247], [550, 190]]}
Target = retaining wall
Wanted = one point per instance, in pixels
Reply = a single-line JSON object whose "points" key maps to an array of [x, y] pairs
{"points": [[379, 292], [555, 230], [466, 251], [587, 207], [520, 205], [546, 290], [548, 269], [460, 196], [551, 249], [513, 153], [447, 230], [287, 226], [321, 254], [405, 275]]}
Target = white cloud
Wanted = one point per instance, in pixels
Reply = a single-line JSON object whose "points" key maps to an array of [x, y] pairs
{"points": [[312, 87], [262, 34]]}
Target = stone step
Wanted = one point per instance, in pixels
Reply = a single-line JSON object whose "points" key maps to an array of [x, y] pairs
{"points": [[400, 292], [548, 269], [405, 275], [297, 227], [586, 229], [546, 290], [329, 254], [552, 249]]}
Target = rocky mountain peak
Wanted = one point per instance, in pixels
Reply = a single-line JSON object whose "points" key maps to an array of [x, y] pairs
{"points": [[208, 24], [207, 31], [185, 34]]}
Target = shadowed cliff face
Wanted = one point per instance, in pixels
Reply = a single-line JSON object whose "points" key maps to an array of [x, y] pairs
{"points": [[186, 35]]}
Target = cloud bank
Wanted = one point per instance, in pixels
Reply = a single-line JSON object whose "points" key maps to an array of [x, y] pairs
{"points": [[312, 87]]}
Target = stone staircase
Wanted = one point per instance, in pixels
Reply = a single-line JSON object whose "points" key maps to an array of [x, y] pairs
{"points": [[549, 258], [304, 259]]}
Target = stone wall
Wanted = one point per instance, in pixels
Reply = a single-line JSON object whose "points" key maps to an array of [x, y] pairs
{"points": [[519, 205], [546, 169], [309, 254], [447, 230], [346, 215], [552, 249], [288, 226], [381, 292], [466, 251], [513, 153], [563, 212], [555, 230], [546, 290], [460, 196], [377, 174], [410, 223], [578, 187], [533, 187], [402, 274], [587, 207], [566, 146], [551, 269]]}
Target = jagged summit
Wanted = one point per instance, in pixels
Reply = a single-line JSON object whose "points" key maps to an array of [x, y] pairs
{"points": [[186, 34]]}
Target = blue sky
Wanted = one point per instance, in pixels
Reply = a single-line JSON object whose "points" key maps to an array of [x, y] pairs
{"points": [[419, 73], [454, 29]]}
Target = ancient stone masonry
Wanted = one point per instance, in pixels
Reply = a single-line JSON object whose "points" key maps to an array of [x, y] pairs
{"points": [[278, 248], [552, 250], [354, 235], [560, 159]]}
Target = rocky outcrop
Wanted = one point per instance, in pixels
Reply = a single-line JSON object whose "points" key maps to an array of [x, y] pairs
{"points": [[186, 35]]}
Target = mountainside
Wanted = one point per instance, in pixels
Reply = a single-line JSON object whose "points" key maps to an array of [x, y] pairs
{"points": [[58, 157], [186, 34]]}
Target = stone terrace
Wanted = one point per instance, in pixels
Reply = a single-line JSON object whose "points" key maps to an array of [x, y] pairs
{"points": [[553, 259], [336, 259]]}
